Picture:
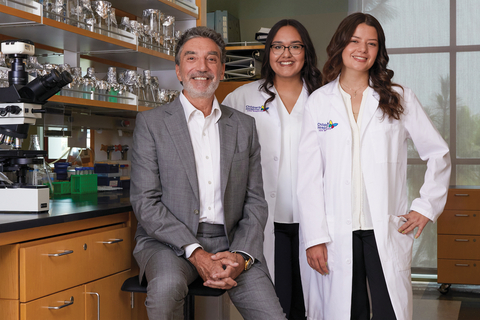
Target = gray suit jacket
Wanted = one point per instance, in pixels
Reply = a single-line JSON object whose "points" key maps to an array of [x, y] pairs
{"points": [[164, 188]]}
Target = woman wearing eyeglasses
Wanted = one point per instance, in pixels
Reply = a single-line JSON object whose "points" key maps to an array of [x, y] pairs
{"points": [[289, 75]]}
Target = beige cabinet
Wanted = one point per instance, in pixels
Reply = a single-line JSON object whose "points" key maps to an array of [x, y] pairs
{"points": [[68, 304], [52, 265], [9, 309], [105, 300], [73, 276], [458, 241], [101, 299]]}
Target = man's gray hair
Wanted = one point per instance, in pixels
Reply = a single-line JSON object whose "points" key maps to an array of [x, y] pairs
{"points": [[202, 32]]}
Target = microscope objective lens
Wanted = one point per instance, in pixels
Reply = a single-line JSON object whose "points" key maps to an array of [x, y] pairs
{"points": [[18, 143]]}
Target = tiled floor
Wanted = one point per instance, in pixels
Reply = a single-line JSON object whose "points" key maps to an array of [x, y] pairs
{"points": [[462, 302]]}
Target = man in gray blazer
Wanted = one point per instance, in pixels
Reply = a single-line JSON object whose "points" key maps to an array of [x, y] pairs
{"points": [[196, 190]]}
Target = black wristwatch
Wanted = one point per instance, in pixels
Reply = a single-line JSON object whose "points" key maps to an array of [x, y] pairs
{"points": [[248, 260]]}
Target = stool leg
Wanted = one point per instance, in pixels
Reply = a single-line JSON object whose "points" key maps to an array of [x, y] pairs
{"points": [[189, 308]]}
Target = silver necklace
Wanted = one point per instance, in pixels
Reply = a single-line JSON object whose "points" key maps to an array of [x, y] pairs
{"points": [[354, 91]]}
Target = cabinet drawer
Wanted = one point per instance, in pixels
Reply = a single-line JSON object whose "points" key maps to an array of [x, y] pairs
{"points": [[68, 304], [463, 199], [459, 222], [53, 266], [458, 247], [109, 252], [458, 271], [9, 309], [114, 303]]}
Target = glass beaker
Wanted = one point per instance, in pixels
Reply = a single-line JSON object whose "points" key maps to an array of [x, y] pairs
{"points": [[89, 84], [149, 89], [101, 10], [34, 142], [169, 34], [59, 8], [77, 83], [125, 24], [88, 16], [111, 20], [102, 88], [74, 13], [112, 83], [151, 18]]}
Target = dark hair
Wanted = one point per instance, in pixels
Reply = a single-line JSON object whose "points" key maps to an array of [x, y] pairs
{"points": [[202, 32], [380, 76], [310, 74]]}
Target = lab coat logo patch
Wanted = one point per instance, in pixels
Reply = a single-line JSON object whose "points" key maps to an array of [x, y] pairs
{"points": [[326, 126], [255, 108]]}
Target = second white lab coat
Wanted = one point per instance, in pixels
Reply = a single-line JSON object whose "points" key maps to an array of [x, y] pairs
{"points": [[325, 194], [250, 100]]}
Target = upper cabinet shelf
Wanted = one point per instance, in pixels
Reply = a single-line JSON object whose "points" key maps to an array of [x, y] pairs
{"points": [[246, 47], [96, 107], [27, 22], [121, 48], [182, 10]]}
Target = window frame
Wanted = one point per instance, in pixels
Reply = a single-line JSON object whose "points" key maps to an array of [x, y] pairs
{"points": [[452, 50]]}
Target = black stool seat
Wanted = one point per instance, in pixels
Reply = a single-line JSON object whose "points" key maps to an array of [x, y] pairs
{"points": [[132, 285], [196, 288]]}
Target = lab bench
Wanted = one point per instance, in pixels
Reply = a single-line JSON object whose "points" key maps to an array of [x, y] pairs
{"points": [[69, 263]]}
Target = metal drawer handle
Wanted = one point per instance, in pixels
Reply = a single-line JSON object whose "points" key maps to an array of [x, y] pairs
{"points": [[98, 303], [112, 241], [462, 195], [461, 265], [67, 303], [461, 215], [461, 240], [64, 253]]}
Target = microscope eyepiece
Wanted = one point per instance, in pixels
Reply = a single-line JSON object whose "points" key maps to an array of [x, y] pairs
{"points": [[43, 87]]}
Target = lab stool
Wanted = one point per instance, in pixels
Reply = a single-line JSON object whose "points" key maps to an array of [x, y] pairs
{"points": [[196, 288]]}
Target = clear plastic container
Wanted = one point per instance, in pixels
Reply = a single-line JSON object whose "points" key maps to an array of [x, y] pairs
{"points": [[70, 172]]}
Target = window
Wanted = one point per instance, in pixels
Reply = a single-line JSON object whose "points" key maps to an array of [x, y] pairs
{"points": [[434, 48], [58, 146]]}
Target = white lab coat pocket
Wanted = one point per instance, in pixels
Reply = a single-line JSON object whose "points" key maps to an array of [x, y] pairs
{"points": [[402, 243]]}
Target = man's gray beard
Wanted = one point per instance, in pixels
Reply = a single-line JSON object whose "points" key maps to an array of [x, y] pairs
{"points": [[192, 92]]}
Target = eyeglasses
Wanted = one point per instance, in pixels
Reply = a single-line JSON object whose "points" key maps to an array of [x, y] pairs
{"points": [[294, 49]]}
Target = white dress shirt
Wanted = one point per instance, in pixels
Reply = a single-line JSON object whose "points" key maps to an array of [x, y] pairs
{"points": [[206, 147], [291, 124], [361, 216]]}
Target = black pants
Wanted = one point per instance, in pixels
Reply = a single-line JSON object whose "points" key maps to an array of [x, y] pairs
{"points": [[288, 284], [367, 265]]}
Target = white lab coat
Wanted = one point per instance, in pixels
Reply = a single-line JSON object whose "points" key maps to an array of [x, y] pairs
{"points": [[249, 99], [325, 194]]}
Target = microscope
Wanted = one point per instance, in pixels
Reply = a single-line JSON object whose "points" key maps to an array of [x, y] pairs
{"points": [[20, 106]]}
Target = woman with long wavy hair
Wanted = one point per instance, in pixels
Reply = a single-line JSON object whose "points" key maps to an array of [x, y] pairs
{"points": [[289, 76], [352, 192]]}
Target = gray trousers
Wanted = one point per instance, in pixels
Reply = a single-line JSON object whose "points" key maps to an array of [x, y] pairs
{"points": [[168, 278]]}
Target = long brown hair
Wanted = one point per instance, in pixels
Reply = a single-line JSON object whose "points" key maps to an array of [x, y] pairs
{"points": [[310, 74], [380, 75]]}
